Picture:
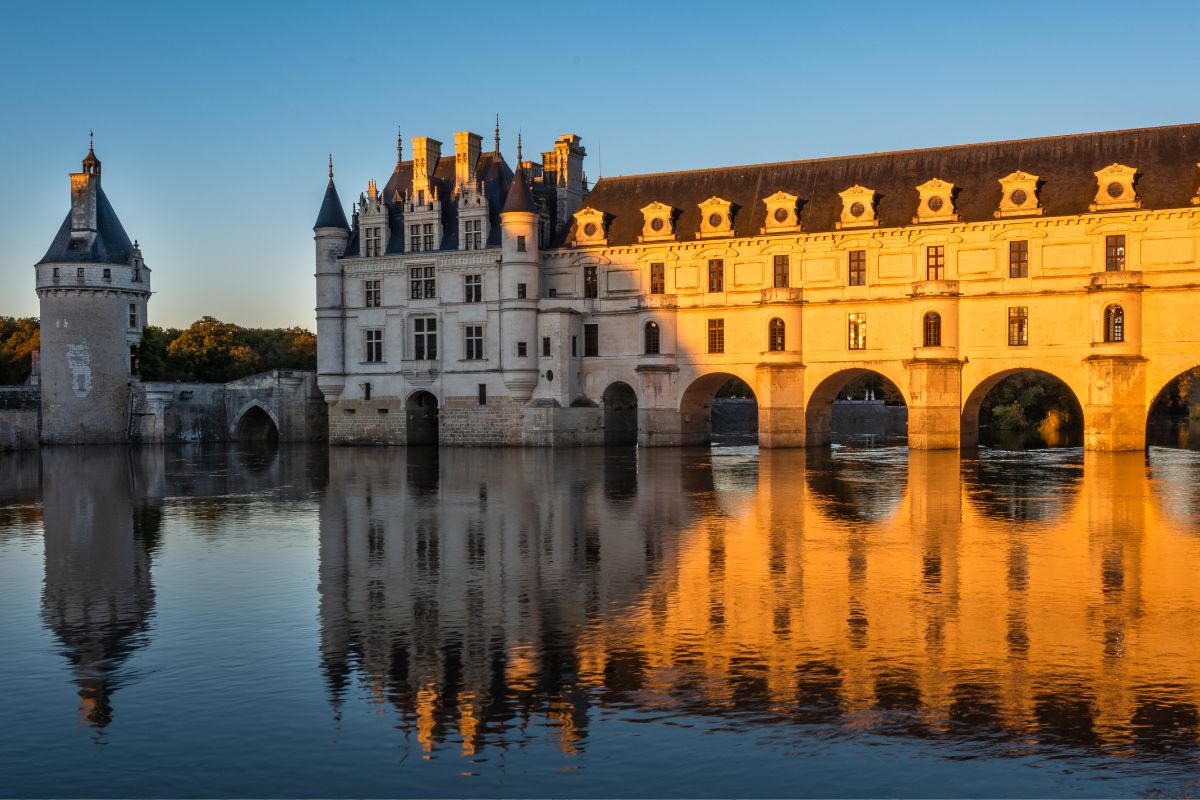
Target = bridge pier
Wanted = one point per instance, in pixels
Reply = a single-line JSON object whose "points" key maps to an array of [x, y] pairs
{"points": [[780, 394], [934, 411], [1114, 413]]}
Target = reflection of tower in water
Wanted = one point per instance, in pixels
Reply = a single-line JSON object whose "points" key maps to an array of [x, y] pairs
{"points": [[98, 595]]}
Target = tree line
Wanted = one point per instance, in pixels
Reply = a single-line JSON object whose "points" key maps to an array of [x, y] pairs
{"points": [[208, 350]]}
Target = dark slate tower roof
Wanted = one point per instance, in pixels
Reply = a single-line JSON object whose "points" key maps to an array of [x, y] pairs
{"points": [[519, 198], [331, 215], [111, 245]]}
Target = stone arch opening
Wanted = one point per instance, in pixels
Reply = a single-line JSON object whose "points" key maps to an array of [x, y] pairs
{"points": [[257, 427], [421, 419], [856, 406], [620, 415], [1173, 418], [1022, 409], [719, 408]]}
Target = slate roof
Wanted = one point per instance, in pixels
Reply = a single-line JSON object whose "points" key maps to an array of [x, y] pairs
{"points": [[519, 198], [331, 215], [1165, 159], [111, 245]]}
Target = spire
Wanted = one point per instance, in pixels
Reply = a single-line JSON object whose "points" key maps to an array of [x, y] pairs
{"points": [[399, 149], [497, 133], [91, 164], [331, 214], [519, 198], [519, 158]]}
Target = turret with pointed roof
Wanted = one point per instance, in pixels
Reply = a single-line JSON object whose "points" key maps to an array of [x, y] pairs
{"points": [[331, 214]]}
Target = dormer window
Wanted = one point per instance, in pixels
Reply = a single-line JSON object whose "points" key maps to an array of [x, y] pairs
{"points": [[589, 227], [373, 242], [936, 203], [782, 216], [657, 223], [1018, 195], [858, 208], [716, 218], [1115, 189], [473, 234]]}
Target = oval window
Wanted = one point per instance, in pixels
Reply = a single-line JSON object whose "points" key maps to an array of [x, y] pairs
{"points": [[714, 221], [857, 210], [589, 229], [656, 224], [1018, 197], [550, 376], [781, 214], [1115, 190], [935, 204]]}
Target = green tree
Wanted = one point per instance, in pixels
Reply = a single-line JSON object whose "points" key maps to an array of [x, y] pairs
{"points": [[20, 338]]}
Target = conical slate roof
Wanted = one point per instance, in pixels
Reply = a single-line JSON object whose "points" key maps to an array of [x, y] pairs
{"points": [[519, 198], [110, 246], [331, 214]]}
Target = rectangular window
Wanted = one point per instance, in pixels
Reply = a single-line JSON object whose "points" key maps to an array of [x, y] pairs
{"points": [[425, 338], [367, 390], [716, 336], [1018, 326], [716, 275], [483, 394], [782, 268], [414, 238], [1018, 259], [589, 282], [591, 340], [79, 274], [521, 291], [473, 289], [552, 292], [658, 278], [107, 274], [857, 332], [935, 262], [473, 234], [56, 273], [133, 359], [137, 272], [520, 244], [133, 315], [423, 282], [474, 342], [574, 346], [374, 345], [372, 295], [428, 243], [522, 350], [545, 347], [373, 241], [1114, 253], [858, 268]]}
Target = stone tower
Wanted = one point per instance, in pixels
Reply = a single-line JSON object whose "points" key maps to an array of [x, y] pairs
{"points": [[332, 234], [93, 287], [519, 287]]}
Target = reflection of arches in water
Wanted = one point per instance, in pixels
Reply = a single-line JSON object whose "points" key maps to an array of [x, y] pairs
{"points": [[422, 469], [718, 404], [1022, 486], [257, 427], [421, 418], [621, 475], [1173, 418], [857, 485], [620, 414], [858, 416], [976, 417]]}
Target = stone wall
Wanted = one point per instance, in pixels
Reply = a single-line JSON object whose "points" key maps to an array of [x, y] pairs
{"points": [[367, 422], [463, 421], [20, 417]]}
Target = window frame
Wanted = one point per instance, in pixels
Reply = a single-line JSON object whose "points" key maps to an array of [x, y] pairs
{"points": [[658, 277], [781, 271], [591, 340], [716, 275], [1114, 252], [856, 330], [473, 288], [716, 335], [935, 262], [1114, 323], [1018, 326], [1018, 258], [372, 293], [591, 282], [373, 345], [473, 349], [776, 335], [651, 339], [931, 329], [856, 268], [425, 338]]}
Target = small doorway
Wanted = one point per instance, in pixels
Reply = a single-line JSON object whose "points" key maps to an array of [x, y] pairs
{"points": [[421, 412]]}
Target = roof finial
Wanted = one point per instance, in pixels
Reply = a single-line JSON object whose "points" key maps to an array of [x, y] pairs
{"points": [[497, 133], [519, 159], [331, 169], [399, 147], [91, 140]]}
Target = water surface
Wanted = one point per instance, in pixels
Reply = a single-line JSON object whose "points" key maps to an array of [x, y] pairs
{"points": [[845, 622]]}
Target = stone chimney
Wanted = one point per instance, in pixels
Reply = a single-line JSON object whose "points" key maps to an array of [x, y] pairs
{"points": [[568, 168], [85, 186], [426, 153], [467, 147]]}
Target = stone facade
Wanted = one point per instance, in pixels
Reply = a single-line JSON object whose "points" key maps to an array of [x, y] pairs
{"points": [[20, 417], [943, 270]]}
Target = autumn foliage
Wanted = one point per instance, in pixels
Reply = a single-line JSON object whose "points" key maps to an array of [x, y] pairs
{"points": [[19, 340]]}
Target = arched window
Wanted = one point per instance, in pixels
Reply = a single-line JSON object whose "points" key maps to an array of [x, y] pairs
{"points": [[776, 340], [933, 329], [652, 338], [1114, 324]]}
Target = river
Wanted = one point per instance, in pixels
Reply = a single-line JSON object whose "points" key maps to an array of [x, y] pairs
{"points": [[656, 622]]}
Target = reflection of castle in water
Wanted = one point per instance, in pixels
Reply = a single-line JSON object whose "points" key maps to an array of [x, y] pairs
{"points": [[102, 514], [493, 590]]}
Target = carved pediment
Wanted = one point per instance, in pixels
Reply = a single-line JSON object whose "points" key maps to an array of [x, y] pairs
{"points": [[589, 227], [658, 222], [716, 217]]}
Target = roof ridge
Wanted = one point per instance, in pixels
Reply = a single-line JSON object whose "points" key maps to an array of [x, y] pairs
{"points": [[912, 151]]}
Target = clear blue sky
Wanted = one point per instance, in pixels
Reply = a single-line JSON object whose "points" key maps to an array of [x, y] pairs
{"points": [[213, 119]]}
